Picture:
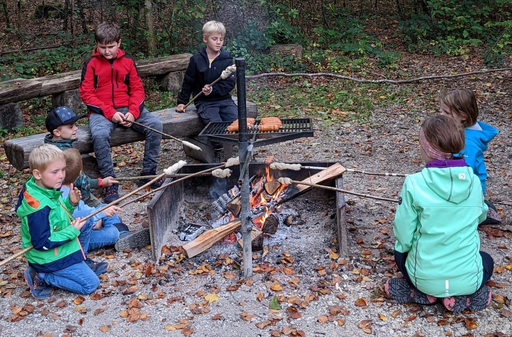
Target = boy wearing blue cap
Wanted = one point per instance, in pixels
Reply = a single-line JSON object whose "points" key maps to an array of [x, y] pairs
{"points": [[61, 123]]}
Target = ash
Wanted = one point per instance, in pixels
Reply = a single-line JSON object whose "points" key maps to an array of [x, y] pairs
{"points": [[303, 222]]}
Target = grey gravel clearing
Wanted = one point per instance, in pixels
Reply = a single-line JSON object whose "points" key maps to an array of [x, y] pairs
{"points": [[322, 294]]}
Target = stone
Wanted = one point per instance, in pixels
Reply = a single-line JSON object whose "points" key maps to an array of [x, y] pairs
{"points": [[71, 99], [11, 116], [172, 81]]}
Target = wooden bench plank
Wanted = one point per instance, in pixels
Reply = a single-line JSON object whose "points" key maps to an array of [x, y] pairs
{"points": [[175, 124]]}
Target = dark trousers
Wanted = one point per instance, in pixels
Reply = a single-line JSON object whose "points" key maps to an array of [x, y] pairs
{"points": [[487, 263]]}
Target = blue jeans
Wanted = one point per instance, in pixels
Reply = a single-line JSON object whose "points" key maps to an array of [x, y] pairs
{"points": [[217, 111], [101, 130], [77, 278], [107, 235]]}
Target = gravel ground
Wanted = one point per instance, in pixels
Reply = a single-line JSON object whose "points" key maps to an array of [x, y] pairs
{"points": [[318, 292]]}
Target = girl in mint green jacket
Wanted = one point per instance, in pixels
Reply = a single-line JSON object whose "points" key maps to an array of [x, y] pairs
{"points": [[438, 247]]}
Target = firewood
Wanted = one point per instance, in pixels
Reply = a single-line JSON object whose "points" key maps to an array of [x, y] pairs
{"points": [[272, 186], [256, 240], [235, 206], [271, 224], [209, 237]]}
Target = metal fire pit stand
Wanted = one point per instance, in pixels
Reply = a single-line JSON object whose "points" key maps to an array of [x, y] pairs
{"points": [[243, 153]]}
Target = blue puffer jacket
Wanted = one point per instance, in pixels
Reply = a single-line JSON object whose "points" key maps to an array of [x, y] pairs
{"points": [[436, 224], [476, 144]]}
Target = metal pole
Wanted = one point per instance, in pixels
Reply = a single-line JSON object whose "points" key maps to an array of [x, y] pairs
{"points": [[242, 151]]}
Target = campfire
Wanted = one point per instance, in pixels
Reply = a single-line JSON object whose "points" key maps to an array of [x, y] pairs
{"points": [[266, 203], [204, 209]]}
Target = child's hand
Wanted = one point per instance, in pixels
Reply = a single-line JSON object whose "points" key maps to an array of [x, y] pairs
{"points": [[128, 118], [109, 181], [78, 223], [207, 89], [180, 108], [98, 224], [74, 194], [112, 210], [118, 117]]}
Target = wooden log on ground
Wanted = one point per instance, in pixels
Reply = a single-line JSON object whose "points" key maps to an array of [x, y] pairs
{"points": [[208, 238], [20, 89]]}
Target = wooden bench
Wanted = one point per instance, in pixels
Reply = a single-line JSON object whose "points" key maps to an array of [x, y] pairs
{"points": [[176, 124]]}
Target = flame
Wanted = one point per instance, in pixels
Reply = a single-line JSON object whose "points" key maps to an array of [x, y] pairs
{"points": [[260, 200]]}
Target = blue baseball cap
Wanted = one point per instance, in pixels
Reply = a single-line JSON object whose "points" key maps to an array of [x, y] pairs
{"points": [[61, 115]]}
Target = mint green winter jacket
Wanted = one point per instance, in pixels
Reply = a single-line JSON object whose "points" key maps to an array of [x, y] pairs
{"points": [[436, 224]]}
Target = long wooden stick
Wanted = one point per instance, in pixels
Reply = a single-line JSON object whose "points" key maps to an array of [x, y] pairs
{"points": [[184, 142], [175, 181], [225, 74], [21, 252], [14, 256], [296, 182]]}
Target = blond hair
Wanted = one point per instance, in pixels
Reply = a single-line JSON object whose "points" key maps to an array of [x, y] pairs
{"points": [[74, 165], [213, 27], [43, 155]]}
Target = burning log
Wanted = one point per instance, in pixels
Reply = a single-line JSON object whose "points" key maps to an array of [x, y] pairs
{"points": [[208, 238], [256, 239]]}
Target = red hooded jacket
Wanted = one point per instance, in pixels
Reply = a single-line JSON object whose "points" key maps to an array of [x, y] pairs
{"points": [[110, 84]]}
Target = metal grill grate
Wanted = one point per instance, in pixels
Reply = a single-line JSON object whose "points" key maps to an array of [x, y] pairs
{"points": [[291, 129]]}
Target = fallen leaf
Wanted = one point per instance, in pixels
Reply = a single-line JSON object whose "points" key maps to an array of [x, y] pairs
{"points": [[211, 298], [276, 286], [246, 317], [274, 304], [104, 328], [79, 300], [293, 313]]}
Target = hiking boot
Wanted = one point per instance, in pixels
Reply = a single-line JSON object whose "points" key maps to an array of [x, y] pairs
{"points": [[130, 240], [480, 300], [96, 267], [112, 193], [402, 292], [151, 172], [38, 287], [493, 218]]}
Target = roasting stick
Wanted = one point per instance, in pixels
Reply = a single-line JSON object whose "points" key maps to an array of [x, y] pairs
{"points": [[174, 168], [225, 74], [220, 174], [184, 142], [298, 167], [288, 181]]}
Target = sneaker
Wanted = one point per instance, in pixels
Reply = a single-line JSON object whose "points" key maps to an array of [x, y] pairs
{"points": [[38, 287], [402, 292], [131, 240], [96, 267], [493, 218], [151, 172], [112, 193], [480, 300]]}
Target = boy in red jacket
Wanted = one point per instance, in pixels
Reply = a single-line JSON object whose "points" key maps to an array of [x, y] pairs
{"points": [[112, 90]]}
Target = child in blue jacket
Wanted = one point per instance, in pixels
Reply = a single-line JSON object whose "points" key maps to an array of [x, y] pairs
{"points": [[461, 105]]}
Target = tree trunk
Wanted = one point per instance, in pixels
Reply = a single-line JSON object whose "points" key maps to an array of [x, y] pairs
{"points": [[6, 13], [66, 16], [150, 34], [81, 14]]}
